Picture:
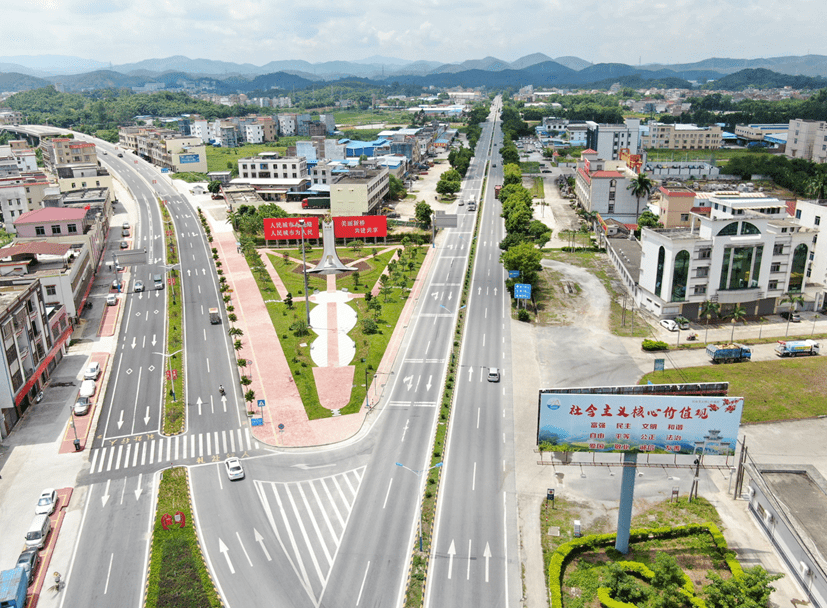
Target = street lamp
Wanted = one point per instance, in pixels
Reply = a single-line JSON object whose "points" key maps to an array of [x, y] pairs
{"points": [[169, 368], [304, 269], [76, 442], [172, 285], [367, 396], [421, 490]]}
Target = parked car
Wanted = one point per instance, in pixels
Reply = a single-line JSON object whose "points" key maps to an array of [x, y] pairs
{"points": [[234, 468], [81, 406], [792, 316], [116, 285], [126, 225], [139, 286], [47, 502], [125, 232], [669, 324], [29, 559], [93, 371], [112, 299], [124, 245]]}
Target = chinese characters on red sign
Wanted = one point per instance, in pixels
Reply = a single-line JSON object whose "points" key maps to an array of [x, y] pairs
{"points": [[277, 229], [360, 226]]}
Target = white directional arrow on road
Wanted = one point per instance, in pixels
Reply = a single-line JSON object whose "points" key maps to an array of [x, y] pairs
{"points": [[452, 551], [487, 555], [147, 416], [435, 295], [260, 540], [470, 373], [408, 380], [224, 402], [105, 496], [153, 339], [120, 420], [428, 385], [222, 548], [450, 295], [479, 290], [188, 272], [134, 342], [139, 490], [495, 291], [198, 403]]}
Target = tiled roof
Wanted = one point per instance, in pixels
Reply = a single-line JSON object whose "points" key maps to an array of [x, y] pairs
{"points": [[35, 247], [589, 151], [51, 214]]}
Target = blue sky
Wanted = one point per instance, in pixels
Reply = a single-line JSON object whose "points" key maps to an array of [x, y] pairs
{"points": [[451, 31]]}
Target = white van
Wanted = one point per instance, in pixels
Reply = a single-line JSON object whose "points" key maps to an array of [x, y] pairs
{"points": [[87, 389], [158, 281], [38, 531], [493, 374]]}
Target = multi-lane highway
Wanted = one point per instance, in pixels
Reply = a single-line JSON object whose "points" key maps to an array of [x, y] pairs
{"points": [[331, 527]]}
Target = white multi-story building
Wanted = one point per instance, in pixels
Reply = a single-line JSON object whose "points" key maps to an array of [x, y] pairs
{"points": [[749, 252], [253, 133], [610, 140], [288, 124], [602, 186], [807, 139], [270, 165], [813, 215], [359, 193], [201, 129], [681, 137]]}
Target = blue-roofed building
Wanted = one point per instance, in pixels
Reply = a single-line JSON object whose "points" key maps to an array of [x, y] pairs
{"points": [[355, 149]]}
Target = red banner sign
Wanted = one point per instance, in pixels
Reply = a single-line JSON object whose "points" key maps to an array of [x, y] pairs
{"points": [[277, 229], [360, 226]]}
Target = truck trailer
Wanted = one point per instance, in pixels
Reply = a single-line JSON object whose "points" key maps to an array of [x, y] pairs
{"points": [[497, 191], [728, 353], [794, 348], [316, 203], [13, 586]]}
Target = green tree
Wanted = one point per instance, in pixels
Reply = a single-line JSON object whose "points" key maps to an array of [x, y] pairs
{"points": [[288, 299], [641, 187], [793, 299], [738, 313], [396, 189], [817, 186], [299, 327], [356, 246], [750, 590], [525, 258], [423, 213], [624, 587], [709, 309], [647, 219], [214, 187], [512, 175], [369, 326], [667, 581]]}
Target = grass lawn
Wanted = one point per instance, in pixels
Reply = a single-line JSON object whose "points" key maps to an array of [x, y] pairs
{"points": [[352, 118], [786, 389], [217, 158], [370, 347], [174, 408], [537, 189], [529, 166], [178, 577], [657, 154], [695, 554]]}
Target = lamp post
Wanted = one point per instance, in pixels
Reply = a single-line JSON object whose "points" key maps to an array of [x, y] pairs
{"points": [[169, 368], [419, 476], [76, 442], [304, 271], [172, 286]]}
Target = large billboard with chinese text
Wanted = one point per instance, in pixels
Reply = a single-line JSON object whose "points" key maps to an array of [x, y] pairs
{"points": [[282, 228], [361, 226], [654, 423]]}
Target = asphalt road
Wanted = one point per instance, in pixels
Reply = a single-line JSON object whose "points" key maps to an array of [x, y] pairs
{"points": [[475, 560]]}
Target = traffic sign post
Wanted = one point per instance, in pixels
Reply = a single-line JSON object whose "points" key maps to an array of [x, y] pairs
{"points": [[513, 274], [256, 421], [522, 291]]}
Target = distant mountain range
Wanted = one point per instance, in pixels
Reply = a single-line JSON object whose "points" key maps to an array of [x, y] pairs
{"points": [[76, 74]]}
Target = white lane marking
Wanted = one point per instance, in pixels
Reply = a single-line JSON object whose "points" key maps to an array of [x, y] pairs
{"points": [[249, 561], [364, 578], [108, 573], [478, 417], [388, 493], [474, 478], [468, 570]]}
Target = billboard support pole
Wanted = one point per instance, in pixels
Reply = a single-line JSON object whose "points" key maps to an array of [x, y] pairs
{"points": [[627, 498]]}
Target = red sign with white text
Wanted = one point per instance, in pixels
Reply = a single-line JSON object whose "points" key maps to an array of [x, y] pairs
{"points": [[360, 226], [283, 228]]}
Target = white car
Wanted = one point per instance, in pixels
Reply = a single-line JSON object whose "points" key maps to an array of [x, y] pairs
{"points": [[47, 502], [81, 407], [93, 371], [138, 286], [112, 299], [669, 324], [234, 469]]}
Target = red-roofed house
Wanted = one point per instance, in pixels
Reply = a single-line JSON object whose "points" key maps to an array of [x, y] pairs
{"points": [[601, 186], [676, 204], [73, 225]]}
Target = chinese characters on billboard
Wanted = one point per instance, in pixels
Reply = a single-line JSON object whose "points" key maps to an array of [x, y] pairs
{"points": [[642, 423], [276, 229], [360, 226]]}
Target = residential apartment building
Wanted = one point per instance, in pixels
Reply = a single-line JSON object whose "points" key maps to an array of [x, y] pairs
{"points": [[272, 176], [601, 186], [23, 155], [253, 133], [63, 152], [747, 253], [10, 117], [610, 140], [681, 137], [288, 125], [813, 215], [757, 132], [23, 193], [361, 192], [807, 139], [165, 148], [34, 335]]}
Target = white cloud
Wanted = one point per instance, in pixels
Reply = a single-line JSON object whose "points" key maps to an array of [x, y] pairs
{"points": [[258, 31]]}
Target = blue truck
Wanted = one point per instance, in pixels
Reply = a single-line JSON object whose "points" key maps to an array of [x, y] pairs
{"points": [[728, 353], [13, 585]]}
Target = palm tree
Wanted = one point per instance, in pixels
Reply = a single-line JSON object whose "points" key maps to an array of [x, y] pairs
{"points": [[793, 299], [738, 313], [817, 186], [641, 186], [709, 309]]}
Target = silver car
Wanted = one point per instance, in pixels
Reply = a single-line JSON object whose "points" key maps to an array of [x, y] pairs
{"points": [[234, 469]]}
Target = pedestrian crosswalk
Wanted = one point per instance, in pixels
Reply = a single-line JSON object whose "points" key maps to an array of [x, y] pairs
{"points": [[309, 519], [150, 449]]}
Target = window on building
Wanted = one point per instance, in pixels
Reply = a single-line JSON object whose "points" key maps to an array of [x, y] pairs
{"points": [[659, 273], [748, 228], [680, 274], [51, 290], [778, 249], [699, 290], [817, 221], [56, 229], [741, 267], [72, 228], [40, 230], [684, 217], [702, 272], [704, 254], [775, 267]]}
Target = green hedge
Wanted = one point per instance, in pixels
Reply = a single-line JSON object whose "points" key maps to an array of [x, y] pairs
{"points": [[567, 551], [654, 345]]}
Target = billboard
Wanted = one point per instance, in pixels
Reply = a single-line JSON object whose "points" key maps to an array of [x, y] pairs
{"points": [[633, 161], [360, 226], [188, 158], [283, 228], [654, 423]]}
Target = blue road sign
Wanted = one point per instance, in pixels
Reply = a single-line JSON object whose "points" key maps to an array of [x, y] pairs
{"points": [[256, 421], [513, 274], [261, 403], [281, 426], [659, 365], [522, 291]]}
